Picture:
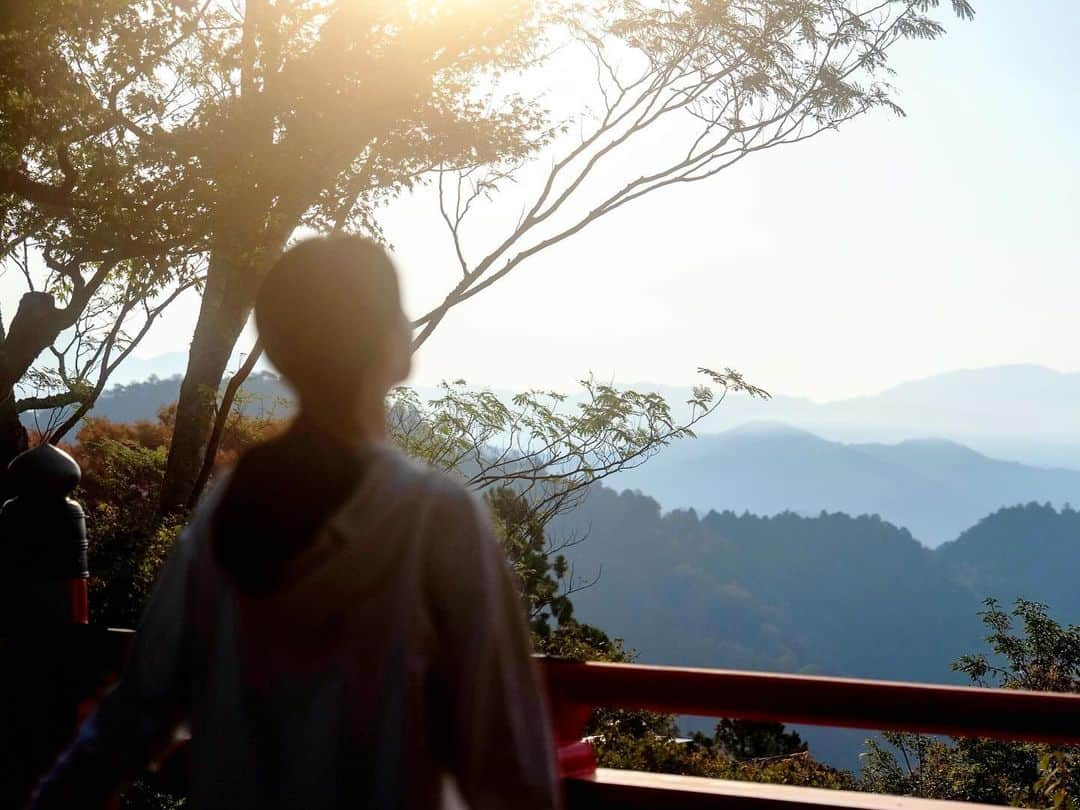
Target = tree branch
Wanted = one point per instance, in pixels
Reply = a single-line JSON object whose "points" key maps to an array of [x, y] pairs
{"points": [[60, 400], [57, 198]]}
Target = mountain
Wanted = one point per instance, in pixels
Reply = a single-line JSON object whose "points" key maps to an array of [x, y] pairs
{"points": [[1031, 551], [1026, 413], [810, 594], [792, 593], [934, 488]]}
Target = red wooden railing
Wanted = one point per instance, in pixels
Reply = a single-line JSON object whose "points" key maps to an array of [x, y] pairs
{"points": [[78, 599], [576, 688]]}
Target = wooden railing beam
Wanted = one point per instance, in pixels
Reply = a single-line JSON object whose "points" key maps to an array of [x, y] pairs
{"points": [[957, 711], [634, 790]]}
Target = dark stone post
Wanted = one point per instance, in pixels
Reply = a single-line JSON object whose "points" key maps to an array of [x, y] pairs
{"points": [[43, 544], [43, 613]]}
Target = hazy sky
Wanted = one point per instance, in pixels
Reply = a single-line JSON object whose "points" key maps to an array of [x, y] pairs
{"points": [[894, 249]]}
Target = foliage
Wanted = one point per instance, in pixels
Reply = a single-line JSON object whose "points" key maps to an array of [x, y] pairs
{"points": [[147, 145], [123, 465], [768, 593], [1041, 655], [1044, 656], [531, 458], [545, 446], [142, 794], [645, 742], [170, 143], [987, 771], [1017, 551], [122, 468], [748, 739], [639, 740], [701, 85], [93, 220], [540, 572]]}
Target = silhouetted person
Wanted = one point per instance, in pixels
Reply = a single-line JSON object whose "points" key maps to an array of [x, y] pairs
{"points": [[337, 625]]}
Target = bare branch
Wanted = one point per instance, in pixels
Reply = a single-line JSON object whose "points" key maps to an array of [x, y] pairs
{"points": [[748, 80]]}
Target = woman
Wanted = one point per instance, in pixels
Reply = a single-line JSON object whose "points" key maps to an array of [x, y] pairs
{"points": [[337, 625]]}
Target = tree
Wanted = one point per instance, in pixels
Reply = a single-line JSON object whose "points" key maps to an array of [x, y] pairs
{"points": [[139, 137], [95, 206], [1042, 655], [81, 360], [531, 459], [304, 137], [702, 85], [123, 465], [648, 742], [748, 740]]}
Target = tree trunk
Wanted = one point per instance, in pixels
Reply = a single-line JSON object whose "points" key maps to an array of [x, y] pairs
{"points": [[228, 397], [237, 267], [226, 305], [13, 438]]}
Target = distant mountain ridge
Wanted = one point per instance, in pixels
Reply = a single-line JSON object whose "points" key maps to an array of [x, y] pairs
{"points": [[1025, 413], [935, 488]]}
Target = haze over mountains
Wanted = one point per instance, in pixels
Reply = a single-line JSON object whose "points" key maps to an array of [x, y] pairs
{"points": [[923, 455], [1021, 413], [1024, 413]]}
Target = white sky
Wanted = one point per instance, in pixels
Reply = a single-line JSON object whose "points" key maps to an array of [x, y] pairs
{"points": [[894, 249]]}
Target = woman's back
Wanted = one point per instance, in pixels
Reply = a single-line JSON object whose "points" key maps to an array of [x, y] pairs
{"points": [[389, 653]]}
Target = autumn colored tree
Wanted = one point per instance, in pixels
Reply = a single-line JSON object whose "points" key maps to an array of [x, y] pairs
{"points": [[123, 466]]}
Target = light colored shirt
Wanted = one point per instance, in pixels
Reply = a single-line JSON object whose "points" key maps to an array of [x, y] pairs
{"points": [[394, 656]]}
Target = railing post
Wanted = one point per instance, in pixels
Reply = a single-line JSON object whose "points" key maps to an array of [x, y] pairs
{"points": [[576, 757]]}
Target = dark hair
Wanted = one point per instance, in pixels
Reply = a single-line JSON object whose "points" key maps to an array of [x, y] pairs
{"points": [[324, 312], [277, 500]]}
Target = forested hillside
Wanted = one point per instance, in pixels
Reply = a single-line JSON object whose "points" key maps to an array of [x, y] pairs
{"points": [[1030, 551], [827, 594]]}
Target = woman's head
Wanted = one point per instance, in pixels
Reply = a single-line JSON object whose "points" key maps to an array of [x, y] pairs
{"points": [[329, 316]]}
